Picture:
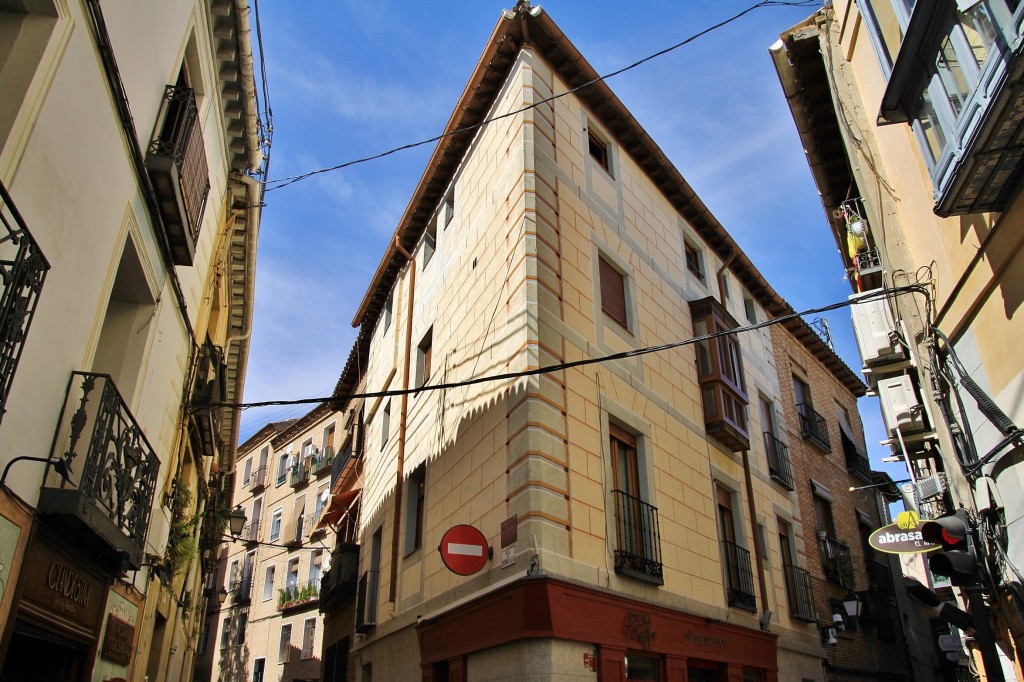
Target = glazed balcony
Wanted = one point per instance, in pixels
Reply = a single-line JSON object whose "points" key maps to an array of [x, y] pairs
{"points": [[298, 595], [813, 427], [22, 272], [799, 594], [779, 467], [176, 163], [340, 583], [739, 578], [103, 479], [638, 552]]}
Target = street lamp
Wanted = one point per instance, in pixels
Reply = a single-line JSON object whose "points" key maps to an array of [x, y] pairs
{"points": [[853, 604], [236, 521], [222, 595]]}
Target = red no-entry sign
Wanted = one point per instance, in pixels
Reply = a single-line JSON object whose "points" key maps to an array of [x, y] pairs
{"points": [[464, 550]]}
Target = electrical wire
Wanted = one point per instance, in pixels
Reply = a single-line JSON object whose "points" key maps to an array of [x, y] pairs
{"points": [[547, 369], [285, 182]]}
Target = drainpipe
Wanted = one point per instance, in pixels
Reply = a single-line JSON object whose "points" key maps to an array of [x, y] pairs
{"points": [[758, 558], [402, 424]]}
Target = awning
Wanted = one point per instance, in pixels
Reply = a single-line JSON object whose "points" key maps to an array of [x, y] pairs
{"points": [[339, 504]]}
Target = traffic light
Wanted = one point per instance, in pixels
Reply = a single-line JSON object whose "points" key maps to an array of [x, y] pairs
{"points": [[958, 559]]}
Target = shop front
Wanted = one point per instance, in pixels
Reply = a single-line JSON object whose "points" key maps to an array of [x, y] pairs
{"points": [[578, 630]]}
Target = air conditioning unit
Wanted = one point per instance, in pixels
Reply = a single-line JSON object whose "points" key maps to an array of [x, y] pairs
{"points": [[901, 410], [930, 487], [875, 329]]}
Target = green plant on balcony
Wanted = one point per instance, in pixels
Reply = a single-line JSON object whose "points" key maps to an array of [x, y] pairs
{"points": [[844, 570], [181, 540]]}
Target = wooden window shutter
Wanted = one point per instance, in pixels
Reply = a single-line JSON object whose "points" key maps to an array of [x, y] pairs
{"points": [[613, 292]]}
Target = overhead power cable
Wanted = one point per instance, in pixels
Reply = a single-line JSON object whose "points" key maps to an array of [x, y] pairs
{"points": [[548, 369], [284, 182]]}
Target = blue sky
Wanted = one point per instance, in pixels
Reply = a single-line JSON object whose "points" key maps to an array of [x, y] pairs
{"points": [[351, 79]]}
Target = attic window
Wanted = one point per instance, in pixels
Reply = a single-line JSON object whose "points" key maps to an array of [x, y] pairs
{"points": [[598, 150]]}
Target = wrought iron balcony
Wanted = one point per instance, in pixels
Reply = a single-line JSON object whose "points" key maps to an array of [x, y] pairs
{"points": [[298, 475], [251, 532], [856, 461], [208, 390], [257, 480], [366, 601], [22, 272], [813, 427], [340, 583], [104, 479], [836, 563], [298, 595], [799, 594], [638, 552], [177, 168], [779, 467], [320, 461], [739, 578], [241, 590], [339, 462]]}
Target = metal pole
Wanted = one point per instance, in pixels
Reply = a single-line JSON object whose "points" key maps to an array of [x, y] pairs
{"points": [[983, 635]]}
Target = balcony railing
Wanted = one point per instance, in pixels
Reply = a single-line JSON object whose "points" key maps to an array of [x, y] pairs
{"points": [[320, 461], [251, 532], [241, 590], [779, 467], [177, 168], [856, 461], [798, 593], [739, 577], [104, 476], [22, 271], [299, 474], [836, 563], [257, 479], [366, 601], [298, 595], [813, 427], [638, 552], [207, 392], [339, 584]]}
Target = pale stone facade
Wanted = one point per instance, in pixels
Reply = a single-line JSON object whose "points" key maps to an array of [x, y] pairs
{"points": [[129, 158], [660, 554]]}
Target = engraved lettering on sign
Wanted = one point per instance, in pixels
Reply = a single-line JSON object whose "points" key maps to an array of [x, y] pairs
{"points": [[71, 590]]}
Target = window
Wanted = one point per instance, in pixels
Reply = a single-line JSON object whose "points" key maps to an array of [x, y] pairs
{"points": [[285, 646], [725, 286], [308, 637], [268, 583], [385, 425], [258, 668], [225, 632], [241, 622], [328, 440], [812, 425], [282, 467], [694, 260], [316, 565], [299, 517], [613, 292], [423, 358], [247, 471], [388, 307], [414, 509], [598, 150], [739, 575], [204, 639], [292, 578], [449, 207], [429, 242], [275, 525], [638, 542], [726, 521], [720, 374], [323, 495], [750, 308], [823, 516]]}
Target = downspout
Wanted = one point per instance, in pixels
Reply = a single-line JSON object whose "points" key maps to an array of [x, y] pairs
{"points": [[402, 424], [758, 558]]}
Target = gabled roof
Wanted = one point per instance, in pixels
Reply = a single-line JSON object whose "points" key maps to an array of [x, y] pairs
{"points": [[527, 26]]}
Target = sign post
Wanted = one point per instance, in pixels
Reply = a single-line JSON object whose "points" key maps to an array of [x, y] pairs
{"points": [[464, 550]]}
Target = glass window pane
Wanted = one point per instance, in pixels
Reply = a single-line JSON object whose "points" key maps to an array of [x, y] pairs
{"points": [[887, 24], [951, 73], [928, 124], [980, 33], [642, 668]]}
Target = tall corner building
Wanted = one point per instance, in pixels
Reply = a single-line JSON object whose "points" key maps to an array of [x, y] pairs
{"points": [[594, 442]]}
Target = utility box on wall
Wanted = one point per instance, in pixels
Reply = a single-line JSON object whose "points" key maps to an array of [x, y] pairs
{"points": [[875, 329], [901, 410]]}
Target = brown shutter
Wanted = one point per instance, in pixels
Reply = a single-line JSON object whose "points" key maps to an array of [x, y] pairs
{"points": [[613, 292]]}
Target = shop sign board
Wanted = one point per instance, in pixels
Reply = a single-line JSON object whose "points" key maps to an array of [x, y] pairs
{"points": [[902, 537]]}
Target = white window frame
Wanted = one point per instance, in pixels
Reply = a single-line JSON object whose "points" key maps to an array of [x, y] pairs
{"points": [[276, 521]]}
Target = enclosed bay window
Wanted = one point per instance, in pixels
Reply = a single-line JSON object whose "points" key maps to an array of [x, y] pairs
{"points": [[720, 374]]}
